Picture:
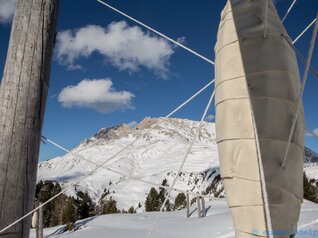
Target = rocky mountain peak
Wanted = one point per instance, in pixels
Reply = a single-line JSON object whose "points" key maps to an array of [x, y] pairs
{"points": [[111, 133]]}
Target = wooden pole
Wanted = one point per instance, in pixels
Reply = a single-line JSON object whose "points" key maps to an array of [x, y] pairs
{"points": [[37, 226], [188, 205], [199, 207], [203, 206], [23, 95], [39, 229]]}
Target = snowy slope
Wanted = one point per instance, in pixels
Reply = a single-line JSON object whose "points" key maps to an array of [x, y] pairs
{"points": [[217, 224], [310, 156], [155, 156], [311, 170], [311, 165]]}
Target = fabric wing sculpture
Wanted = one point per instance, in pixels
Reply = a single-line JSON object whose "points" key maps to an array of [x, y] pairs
{"points": [[257, 87]]}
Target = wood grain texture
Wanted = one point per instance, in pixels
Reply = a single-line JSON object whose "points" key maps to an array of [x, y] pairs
{"points": [[39, 228], [188, 205], [23, 95], [199, 207]]}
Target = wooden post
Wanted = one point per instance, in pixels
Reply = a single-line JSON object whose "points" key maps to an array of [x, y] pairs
{"points": [[23, 95], [203, 206], [39, 228], [188, 205], [199, 207]]}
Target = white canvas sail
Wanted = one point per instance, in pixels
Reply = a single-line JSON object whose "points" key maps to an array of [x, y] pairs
{"points": [[257, 86]]}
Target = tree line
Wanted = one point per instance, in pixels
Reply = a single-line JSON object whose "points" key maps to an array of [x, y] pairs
{"points": [[68, 209], [310, 189]]}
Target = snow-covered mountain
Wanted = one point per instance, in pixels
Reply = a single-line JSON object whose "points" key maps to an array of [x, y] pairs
{"points": [[155, 156], [310, 156], [311, 164]]}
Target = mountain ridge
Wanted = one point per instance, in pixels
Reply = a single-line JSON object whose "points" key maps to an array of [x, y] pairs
{"points": [[155, 156]]}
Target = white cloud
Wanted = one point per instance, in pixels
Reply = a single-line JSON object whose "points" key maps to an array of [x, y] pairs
{"points": [[127, 48], [315, 132], [96, 94], [209, 118], [7, 8], [182, 40], [133, 124]]}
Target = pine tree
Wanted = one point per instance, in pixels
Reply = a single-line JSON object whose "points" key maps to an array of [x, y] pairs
{"points": [[163, 194], [193, 200], [180, 201], [69, 213], [58, 209], [168, 206], [131, 210], [84, 205], [310, 190], [152, 202], [109, 206], [44, 191]]}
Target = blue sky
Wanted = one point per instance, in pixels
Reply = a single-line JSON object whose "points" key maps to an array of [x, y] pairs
{"points": [[128, 87]]}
